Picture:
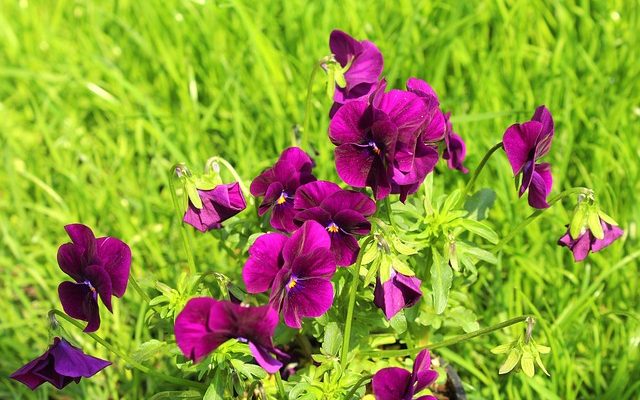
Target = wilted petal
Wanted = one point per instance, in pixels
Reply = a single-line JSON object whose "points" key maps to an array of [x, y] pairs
{"points": [[115, 257], [264, 262], [580, 247], [455, 153], [79, 302], [397, 293], [391, 383], [540, 187], [312, 194]]}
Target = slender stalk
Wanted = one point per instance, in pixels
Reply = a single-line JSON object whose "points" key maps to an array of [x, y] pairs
{"points": [[307, 108], [229, 167], [479, 169], [352, 302], [537, 213], [280, 385], [444, 343], [387, 203], [138, 289], [355, 387], [183, 229], [142, 368]]}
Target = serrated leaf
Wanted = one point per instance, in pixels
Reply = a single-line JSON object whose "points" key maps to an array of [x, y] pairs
{"points": [[441, 278], [526, 362], [399, 322], [252, 371], [511, 362], [481, 229], [332, 339], [578, 221], [401, 267], [594, 225]]}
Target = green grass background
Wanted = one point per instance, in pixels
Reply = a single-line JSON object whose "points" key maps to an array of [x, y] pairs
{"points": [[98, 100]]}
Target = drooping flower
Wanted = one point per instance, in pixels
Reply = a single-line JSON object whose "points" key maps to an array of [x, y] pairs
{"points": [[206, 323], [218, 204], [60, 365], [278, 185], [455, 150], [343, 213], [376, 141], [400, 291], [99, 266], [524, 145], [298, 269], [364, 62], [395, 383], [586, 242]]}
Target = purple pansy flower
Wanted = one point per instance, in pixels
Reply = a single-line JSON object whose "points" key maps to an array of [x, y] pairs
{"points": [[343, 213], [399, 384], [366, 65], [218, 204], [376, 141], [205, 323], [586, 242], [400, 291], [524, 144], [278, 185], [61, 364], [455, 150], [99, 266], [298, 269]]}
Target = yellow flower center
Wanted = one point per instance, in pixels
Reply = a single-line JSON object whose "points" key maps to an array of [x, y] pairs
{"points": [[282, 199], [292, 283], [333, 228]]}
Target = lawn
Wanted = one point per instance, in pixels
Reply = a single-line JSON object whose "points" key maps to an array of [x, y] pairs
{"points": [[99, 99]]}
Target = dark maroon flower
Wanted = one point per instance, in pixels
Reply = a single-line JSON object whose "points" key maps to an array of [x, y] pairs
{"points": [[278, 185], [61, 364], [298, 270], [364, 62], [524, 145], [586, 241], [401, 291], [455, 150], [343, 213], [205, 323], [218, 204], [399, 384], [99, 266], [376, 141]]}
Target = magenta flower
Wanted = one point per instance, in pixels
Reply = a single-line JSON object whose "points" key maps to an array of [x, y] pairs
{"points": [[399, 384], [205, 323], [99, 266], [376, 142], [401, 291], [218, 204], [455, 150], [61, 364], [298, 269], [524, 144], [365, 67], [342, 213], [586, 241], [278, 185]]}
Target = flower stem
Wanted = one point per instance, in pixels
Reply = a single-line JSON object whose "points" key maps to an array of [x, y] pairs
{"points": [[138, 289], [352, 302], [357, 385], [229, 167], [479, 169], [142, 368], [444, 343], [183, 229], [307, 109], [537, 213], [281, 392], [387, 203]]}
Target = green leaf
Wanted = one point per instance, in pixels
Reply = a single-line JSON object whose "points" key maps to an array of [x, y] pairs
{"points": [[385, 268], [450, 202], [332, 339], [147, 350], [511, 362], [403, 248], [594, 225], [479, 253], [526, 362], [480, 203], [541, 365], [480, 229], [370, 254], [578, 221], [207, 181], [441, 278], [543, 349], [606, 218], [399, 322], [451, 255], [401, 267], [503, 348], [216, 387], [331, 81], [372, 273], [192, 193], [464, 318], [339, 78]]}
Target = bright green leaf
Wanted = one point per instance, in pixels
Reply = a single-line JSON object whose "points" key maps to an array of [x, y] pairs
{"points": [[594, 225], [481, 229], [511, 362], [332, 339], [441, 278]]}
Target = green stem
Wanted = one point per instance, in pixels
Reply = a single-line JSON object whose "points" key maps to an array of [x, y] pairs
{"points": [[355, 387], [183, 229], [142, 368], [229, 167], [537, 213], [138, 289], [281, 391], [479, 169], [387, 203], [307, 109], [352, 302], [445, 343]]}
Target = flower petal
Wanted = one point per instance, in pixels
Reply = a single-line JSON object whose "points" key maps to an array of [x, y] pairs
{"points": [[309, 237], [349, 123], [344, 248], [611, 233], [264, 359], [312, 194], [71, 260], [349, 200], [540, 187], [421, 88], [519, 140], [79, 302], [115, 257], [101, 282], [83, 236], [264, 262], [391, 383], [366, 67], [72, 362], [352, 222], [192, 328], [314, 214], [282, 217], [309, 298]]}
